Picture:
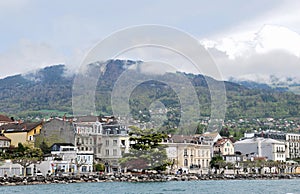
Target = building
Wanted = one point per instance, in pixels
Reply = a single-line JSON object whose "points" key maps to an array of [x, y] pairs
{"points": [[8, 168], [292, 141], [66, 158], [56, 130], [24, 133], [261, 147], [224, 147], [188, 153], [293, 145], [104, 136], [4, 143], [209, 138]]}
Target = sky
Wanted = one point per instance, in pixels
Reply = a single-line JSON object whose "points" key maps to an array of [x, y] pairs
{"points": [[246, 39]]}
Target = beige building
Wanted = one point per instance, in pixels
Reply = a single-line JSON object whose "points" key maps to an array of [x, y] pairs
{"points": [[188, 153], [24, 133], [224, 147]]}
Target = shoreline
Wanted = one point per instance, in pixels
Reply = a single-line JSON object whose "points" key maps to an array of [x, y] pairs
{"points": [[37, 180]]}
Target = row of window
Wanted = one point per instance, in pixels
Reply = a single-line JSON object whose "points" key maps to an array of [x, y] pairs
{"points": [[5, 144], [280, 155], [200, 163], [201, 153], [294, 137], [115, 152], [87, 141], [87, 130], [294, 144]]}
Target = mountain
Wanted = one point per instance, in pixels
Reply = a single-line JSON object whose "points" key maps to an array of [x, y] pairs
{"points": [[48, 92]]}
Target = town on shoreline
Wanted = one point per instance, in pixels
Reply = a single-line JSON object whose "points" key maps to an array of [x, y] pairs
{"points": [[107, 149]]}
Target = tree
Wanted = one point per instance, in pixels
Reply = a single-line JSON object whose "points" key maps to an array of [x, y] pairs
{"points": [[99, 167], [146, 152], [25, 156], [45, 148], [217, 162], [225, 132]]}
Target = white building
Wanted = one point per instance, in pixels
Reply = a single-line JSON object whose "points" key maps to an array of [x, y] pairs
{"points": [[291, 140], [104, 136], [262, 147], [293, 145], [66, 158]]}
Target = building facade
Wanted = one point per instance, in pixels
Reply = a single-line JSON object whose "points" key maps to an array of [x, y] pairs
{"points": [[262, 147], [105, 137], [187, 153], [224, 147], [24, 133]]}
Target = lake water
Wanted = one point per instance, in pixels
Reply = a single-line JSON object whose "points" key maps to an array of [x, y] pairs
{"points": [[226, 186]]}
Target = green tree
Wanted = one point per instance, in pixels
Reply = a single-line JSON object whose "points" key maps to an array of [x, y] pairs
{"points": [[45, 148], [217, 162], [25, 156], [146, 152]]}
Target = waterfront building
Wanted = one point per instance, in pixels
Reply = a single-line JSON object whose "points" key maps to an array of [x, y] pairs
{"points": [[188, 153], [66, 158], [104, 136], [291, 140], [261, 147]]}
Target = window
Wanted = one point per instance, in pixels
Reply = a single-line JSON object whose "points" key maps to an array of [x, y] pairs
{"points": [[123, 142], [107, 142], [186, 163], [107, 152], [185, 152], [114, 152], [99, 150], [91, 141], [115, 142]]}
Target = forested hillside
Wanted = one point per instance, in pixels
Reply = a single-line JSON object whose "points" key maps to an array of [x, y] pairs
{"points": [[49, 92]]}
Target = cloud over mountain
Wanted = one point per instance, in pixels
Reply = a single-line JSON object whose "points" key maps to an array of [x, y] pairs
{"points": [[273, 50]]}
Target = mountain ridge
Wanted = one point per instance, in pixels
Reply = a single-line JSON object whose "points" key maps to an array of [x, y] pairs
{"points": [[48, 92]]}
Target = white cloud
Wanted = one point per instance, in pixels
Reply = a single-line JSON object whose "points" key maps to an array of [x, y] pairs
{"points": [[268, 38], [272, 50]]}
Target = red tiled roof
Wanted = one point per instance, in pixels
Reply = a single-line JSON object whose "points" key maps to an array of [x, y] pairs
{"points": [[2, 137], [222, 141], [4, 118]]}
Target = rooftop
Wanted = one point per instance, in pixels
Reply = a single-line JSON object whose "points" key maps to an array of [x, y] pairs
{"points": [[19, 127], [259, 139], [4, 118]]}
